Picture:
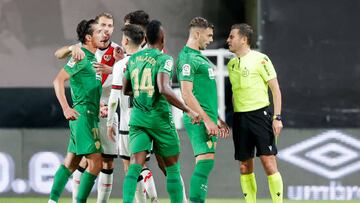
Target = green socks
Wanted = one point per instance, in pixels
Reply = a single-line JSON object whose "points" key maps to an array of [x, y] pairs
{"points": [[174, 184], [87, 181], [130, 182], [276, 187], [60, 179], [199, 180], [248, 186]]}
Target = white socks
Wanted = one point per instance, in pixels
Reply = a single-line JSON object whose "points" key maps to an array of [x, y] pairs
{"points": [[149, 184], [105, 183], [76, 182]]}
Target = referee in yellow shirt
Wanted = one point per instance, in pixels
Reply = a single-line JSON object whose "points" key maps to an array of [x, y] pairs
{"points": [[251, 73]]}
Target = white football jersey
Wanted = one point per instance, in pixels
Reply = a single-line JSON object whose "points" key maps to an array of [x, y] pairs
{"points": [[106, 56], [118, 74]]}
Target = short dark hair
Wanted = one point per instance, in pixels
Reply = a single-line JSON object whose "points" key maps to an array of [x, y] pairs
{"points": [[138, 17], [134, 32], [106, 15], [153, 31], [200, 22], [85, 27], [244, 30]]}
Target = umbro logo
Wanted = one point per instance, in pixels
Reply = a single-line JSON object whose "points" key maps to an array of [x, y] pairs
{"points": [[332, 154]]}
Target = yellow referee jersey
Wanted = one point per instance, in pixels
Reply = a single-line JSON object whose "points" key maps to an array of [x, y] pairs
{"points": [[249, 76]]}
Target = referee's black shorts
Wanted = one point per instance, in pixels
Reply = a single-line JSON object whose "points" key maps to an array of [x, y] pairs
{"points": [[252, 130]]}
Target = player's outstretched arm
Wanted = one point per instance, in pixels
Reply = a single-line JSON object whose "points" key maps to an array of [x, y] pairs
{"points": [[63, 52], [59, 86], [74, 50], [163, 81], [192, 102]]}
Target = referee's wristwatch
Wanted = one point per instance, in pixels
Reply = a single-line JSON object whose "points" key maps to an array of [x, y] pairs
{"points": [[277, 117]]}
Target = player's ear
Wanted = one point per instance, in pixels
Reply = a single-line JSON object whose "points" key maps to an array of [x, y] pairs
{"points": [[162, 39], [197, 34], [88, 37]]}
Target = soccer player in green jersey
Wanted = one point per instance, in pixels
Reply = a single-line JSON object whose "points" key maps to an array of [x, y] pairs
{"points": [[251, 74], [198, 88], [83, 115], [147, 78]]}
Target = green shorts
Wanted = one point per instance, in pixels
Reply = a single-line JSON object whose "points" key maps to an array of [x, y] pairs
{"points": [[201, 142], [164, 141], [84, 135]]}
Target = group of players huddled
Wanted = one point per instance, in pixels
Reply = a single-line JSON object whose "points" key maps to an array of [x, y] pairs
{"points": [[136, 76]]}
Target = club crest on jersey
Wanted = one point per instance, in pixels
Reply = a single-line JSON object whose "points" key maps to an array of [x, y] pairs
{"points": [[107, 57], [168, 65], [186, 69], [211, 73], [71, 62]]}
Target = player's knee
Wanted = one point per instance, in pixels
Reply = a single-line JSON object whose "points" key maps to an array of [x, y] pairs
{"points": [[70, 166], [83, 163], [246, 168], [108, 164], [205, 156], [95, 165], [269, 164], [270, 168]]}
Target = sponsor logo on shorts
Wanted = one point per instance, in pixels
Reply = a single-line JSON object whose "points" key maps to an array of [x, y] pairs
{"points": [[97, 144], [210, 144]]}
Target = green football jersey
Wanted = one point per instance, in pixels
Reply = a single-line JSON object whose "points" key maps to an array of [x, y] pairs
{"points": [[85, 84], [194, 67], [151, 109]]}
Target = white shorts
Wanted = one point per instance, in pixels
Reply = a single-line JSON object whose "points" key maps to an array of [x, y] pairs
{"points": [[124, 151], [110, 148]]}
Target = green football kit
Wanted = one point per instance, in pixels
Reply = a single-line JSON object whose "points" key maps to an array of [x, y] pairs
{"points": [[194, 67], [151, 117], [86, 89]]}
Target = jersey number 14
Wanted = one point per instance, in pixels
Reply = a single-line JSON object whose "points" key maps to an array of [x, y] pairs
{"points": [[145, 82]]}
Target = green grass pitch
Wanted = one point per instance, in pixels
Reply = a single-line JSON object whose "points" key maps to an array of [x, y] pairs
{"points": [[67, 200]]}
